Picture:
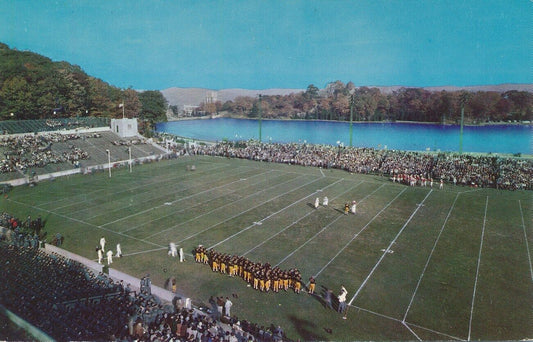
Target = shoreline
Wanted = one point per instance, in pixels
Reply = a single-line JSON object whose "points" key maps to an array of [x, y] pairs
{"points": [[500, 123]]}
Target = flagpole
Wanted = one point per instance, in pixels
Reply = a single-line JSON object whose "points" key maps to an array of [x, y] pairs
{"points": [[123, 109]]}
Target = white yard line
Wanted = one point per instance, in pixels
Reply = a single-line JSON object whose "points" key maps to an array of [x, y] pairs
{"points": [[525, 238], [429, 257], [357, 234], [436, 332], [293, 223], [176, 201], [477, 270], [386, 252], [87, 223], [221, 207], [325, 227], [273, 214], [164, 180], [159, 195]]}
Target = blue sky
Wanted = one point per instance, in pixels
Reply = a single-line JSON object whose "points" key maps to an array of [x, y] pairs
{"points": [[264, 44]]}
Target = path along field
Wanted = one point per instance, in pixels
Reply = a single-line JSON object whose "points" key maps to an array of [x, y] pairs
{"points": [[419, 263]]}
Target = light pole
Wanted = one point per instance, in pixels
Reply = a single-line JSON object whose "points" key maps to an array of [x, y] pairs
{"points": [[260, 114], [351, 118], [109, 161], [129, 148]]}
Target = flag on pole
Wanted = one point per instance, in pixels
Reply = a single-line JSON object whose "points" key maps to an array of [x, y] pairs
{"points": [[121, 105]]}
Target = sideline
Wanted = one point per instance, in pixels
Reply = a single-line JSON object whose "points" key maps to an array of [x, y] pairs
{"points": [[525, 238]]}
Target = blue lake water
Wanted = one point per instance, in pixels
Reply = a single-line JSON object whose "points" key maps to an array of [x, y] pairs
{"points": [[398, 136]]}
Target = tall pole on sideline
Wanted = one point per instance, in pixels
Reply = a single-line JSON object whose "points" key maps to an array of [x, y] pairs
{"points": [[129, 148], [123, 109], [109, 161], [351, 118], [260, 115], [461, 131]]}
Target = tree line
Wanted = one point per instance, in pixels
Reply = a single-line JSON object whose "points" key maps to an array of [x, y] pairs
{"points": [[339, 101], [34, 87]]}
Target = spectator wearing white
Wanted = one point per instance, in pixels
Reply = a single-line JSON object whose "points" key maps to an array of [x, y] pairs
{"points": [[100, 255], [102, 243], [109, 257], [227, 307]]}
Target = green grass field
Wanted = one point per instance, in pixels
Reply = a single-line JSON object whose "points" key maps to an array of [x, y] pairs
{"points": [[418, 263]]}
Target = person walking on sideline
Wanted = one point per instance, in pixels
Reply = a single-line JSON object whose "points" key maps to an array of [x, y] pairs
{"points": [[317, 202], [119, 251], [102, 243], [100, 255], [342, 300], [325, 202], [182, 256], [109, 257]]}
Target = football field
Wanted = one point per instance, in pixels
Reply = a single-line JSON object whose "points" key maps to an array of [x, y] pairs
{"points": [[418, 263]]}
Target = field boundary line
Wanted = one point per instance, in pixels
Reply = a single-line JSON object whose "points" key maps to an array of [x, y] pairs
{"points": [[151, 199], [239, 214], [326, 226], [400, 321], [411, 330], [525, 238], [176, 201], [225, 205], [86, 223], [357, 234], [275, 213], [435, 331], [477, 269], [429, 257], [390, 245]]}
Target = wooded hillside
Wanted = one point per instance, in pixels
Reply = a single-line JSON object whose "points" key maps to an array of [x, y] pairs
{"points": [[34, 87]]}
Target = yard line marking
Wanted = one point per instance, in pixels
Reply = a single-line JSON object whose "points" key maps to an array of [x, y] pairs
{"points": [[477, 269], [218, 208], [133, 195], [236, 215], [85, 223], [166, 179], [388, 248], [429, 257], [298, 220], [176, 201], [269, 216], [322, 172], [525, 238], [357, 234], [411, 330], [184, 209], [324, 228]]}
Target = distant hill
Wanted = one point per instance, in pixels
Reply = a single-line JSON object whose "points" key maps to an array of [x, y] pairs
{"points": [[194, 96]]}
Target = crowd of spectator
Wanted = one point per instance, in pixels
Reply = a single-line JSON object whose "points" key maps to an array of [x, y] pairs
{"points": [[23, 152], [492, 171], [262, 276], [68, 301]]}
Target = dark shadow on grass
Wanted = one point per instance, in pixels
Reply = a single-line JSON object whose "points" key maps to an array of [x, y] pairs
{"points": [[304, 329]]}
